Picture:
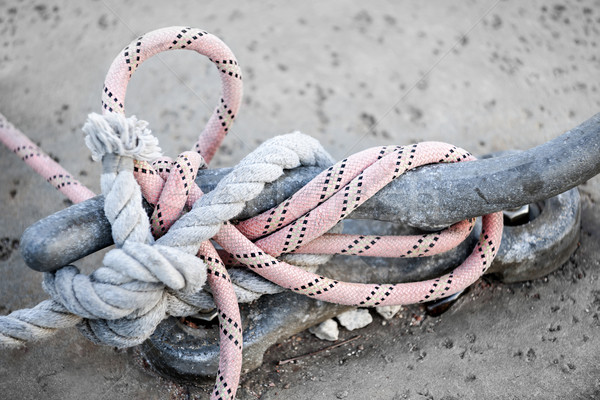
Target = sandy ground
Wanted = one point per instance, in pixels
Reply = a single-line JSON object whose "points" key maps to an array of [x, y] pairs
{"points": [[484, 75]]}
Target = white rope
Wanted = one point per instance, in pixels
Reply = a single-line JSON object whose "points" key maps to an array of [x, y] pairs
{"points": [[141, 282]]}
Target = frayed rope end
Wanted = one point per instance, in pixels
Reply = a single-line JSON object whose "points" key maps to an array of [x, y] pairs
{"points": [[113, 133]]}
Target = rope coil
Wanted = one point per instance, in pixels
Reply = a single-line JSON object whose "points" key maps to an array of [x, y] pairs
{"points": [[160, 265]]}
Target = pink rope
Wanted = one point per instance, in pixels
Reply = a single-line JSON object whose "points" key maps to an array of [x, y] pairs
{"points": [[173, 38], [171, 196], [41, 163], [297, 225]]}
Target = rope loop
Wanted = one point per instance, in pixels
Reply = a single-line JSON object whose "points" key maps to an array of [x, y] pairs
{"points": [[174, 38]]}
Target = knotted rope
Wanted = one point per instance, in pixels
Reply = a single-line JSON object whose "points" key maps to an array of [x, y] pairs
{"points": [[160, 265]]}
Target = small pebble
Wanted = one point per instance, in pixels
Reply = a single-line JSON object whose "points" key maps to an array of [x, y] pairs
{"points": [[388, 312], [342, 395], [355, 319], [327, 330]]}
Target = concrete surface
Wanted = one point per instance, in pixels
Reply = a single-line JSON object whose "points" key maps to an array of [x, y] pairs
{"points": [[484, 75]]}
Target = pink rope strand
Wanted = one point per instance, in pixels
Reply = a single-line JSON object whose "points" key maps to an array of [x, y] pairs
{"points": [[170, 197], [42, 163]]}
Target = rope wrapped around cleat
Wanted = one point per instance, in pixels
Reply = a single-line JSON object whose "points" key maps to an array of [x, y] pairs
{"points": [[160, 265]]}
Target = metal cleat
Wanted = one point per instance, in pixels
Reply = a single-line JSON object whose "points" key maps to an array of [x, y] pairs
{"points": [[539, 237], [430, 197], [190, 351]]}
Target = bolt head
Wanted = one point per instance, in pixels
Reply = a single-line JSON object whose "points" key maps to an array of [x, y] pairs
{"points": [[518, 215], [207, 316]]}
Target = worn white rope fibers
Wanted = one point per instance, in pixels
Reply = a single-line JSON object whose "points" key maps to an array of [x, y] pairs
{"points": [[142, 281]]}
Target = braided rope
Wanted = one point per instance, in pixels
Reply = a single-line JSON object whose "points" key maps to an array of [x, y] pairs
{"points": [[160, 265], [42, 163]]}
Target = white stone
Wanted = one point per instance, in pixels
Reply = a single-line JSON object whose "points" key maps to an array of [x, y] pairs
{"points": [[355, 319], [388, 312], [327, 330]]}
